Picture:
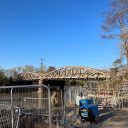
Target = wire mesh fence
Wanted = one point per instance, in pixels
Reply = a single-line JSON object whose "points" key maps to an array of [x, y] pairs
{"points": [[25, 107]]}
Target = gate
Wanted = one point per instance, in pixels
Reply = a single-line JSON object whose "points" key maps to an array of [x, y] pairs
{"points": [[26, 106]]}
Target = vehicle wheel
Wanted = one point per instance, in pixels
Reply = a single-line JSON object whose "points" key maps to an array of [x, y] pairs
{"points": [[97, 119], [91, 116], [82, 120]]}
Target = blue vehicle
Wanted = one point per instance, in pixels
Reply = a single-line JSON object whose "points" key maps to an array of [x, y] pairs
{"points": [[88, 111]]}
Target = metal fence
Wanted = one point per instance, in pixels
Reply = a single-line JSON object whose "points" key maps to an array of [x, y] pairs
{"points": [[25, 106]]}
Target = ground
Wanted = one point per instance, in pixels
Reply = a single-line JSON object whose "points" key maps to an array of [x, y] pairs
{"points": [[111, 119]]}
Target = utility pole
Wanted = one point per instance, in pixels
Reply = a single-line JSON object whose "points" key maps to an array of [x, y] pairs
{"points": [[41, 64]]}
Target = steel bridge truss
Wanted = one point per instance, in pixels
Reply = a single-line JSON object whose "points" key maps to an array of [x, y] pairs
{"points": [[70, 72], [28, 76]]}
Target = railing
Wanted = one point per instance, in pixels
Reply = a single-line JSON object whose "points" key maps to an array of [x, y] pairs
{"points": [[25, 106]]}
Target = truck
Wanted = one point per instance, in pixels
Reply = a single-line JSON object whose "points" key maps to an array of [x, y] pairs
{"points": [[88, 110]]}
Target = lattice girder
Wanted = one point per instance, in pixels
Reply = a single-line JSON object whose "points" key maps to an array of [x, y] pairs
{"points": [[28, 76], [76, 73], [70, 72]]}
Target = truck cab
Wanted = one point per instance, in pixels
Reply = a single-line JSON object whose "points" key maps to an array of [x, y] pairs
{"points": [[88, 110]]}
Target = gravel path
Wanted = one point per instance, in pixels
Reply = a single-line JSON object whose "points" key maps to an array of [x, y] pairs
{"points": [[112, 119]]}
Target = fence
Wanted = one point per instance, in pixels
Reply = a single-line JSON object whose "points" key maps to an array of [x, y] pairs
{"points": [[25, 106]]}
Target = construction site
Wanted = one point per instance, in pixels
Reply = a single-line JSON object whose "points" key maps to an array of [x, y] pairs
{"points": [[51, 100]]}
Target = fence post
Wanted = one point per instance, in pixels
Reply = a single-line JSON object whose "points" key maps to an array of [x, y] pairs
{"points": [[49, 97], [12, 120]]}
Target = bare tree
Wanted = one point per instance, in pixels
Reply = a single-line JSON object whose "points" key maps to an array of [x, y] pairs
{"points": [[115, 24], [51, 68], [3, 78], [28, 68], [19, 69], [118, 63]]}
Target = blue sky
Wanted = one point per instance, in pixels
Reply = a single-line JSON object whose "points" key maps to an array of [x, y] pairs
{"points": [[62, 32]]}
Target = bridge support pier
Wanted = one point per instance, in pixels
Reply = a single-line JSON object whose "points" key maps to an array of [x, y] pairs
{"points": [[40, 94]]}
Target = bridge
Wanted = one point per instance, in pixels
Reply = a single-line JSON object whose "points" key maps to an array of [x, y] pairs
{"points": [[96, 85], [68, 72]]}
